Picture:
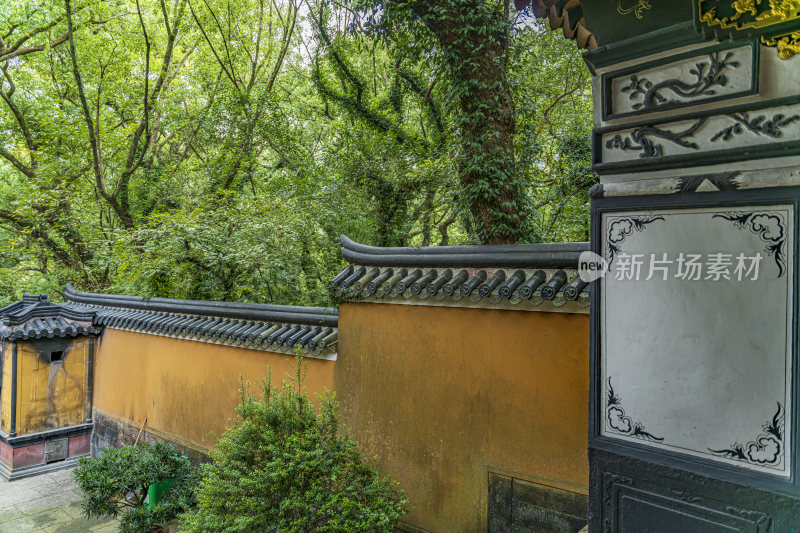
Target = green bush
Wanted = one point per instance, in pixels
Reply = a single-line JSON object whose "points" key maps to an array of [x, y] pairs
{"points": [[283, 466], [116, 483]]}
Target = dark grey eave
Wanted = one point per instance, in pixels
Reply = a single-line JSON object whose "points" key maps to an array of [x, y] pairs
{"points": [[558, 255], [36, 306], [35, 318], [499, 276], [310, 316]]}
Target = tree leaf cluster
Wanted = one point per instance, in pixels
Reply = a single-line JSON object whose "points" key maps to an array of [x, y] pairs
{"points": [[117, 482]]}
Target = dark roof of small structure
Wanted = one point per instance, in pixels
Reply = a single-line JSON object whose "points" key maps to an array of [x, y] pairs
{"points": [[276, 328], [516, 276], [36, 318]]}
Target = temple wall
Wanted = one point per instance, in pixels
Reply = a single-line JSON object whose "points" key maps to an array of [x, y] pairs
{"points": [[449, 398], [187, 390], [479, 414], [50, 395], [5, 389]]}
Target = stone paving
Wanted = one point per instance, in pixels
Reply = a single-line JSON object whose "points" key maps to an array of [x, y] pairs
{"points": [[49, 503]]}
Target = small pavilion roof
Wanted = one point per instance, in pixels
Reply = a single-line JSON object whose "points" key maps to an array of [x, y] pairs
{"points": [[36, 318]]}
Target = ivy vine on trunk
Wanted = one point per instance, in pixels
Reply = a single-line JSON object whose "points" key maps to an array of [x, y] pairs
{"points": [[471, 37]]}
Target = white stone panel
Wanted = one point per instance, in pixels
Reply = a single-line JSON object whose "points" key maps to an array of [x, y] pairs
{"points": [[711, 75], [701, 367], [694, 136]]}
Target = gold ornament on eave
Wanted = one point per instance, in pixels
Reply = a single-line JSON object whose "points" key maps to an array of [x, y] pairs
{"points": [[788, 45], [754, 14], [638, 9], [779, 11]]}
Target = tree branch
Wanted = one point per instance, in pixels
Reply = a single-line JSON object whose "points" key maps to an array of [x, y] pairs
{"points": [[17, 163]]}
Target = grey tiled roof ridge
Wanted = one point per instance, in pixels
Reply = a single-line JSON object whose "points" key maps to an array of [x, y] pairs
{"points": [[37, 306], [48, 328], [551, 255], [279, 337], [279, 329], [310, 316], [506, 276]]}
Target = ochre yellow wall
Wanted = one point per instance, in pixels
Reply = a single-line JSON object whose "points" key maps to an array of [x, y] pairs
{"points": [[444, 395], [51, 395], [187, 389], [5, 390]]}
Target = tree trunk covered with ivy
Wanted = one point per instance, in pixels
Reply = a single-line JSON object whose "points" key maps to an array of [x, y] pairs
{"points": [[469, 40], [473, 35]]}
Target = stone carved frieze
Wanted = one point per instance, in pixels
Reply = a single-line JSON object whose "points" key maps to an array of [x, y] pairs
{"points": [[693, 139], [716, 73]]}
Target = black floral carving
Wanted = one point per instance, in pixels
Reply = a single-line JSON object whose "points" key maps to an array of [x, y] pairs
{"points": [[770, 227], [706, 76], [621, 228], [618, 422], [765, 449], [642, 139], [758, 125]]}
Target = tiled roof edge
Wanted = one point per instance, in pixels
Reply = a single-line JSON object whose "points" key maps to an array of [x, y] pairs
{"points": [[554, 255], [511, 288], [564, 14], [311, 316], [37, 306], [317, 341], [48, 328], [568, 15]]}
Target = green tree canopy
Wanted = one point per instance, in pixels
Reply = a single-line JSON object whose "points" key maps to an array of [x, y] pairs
{"points": [[215, 149]]}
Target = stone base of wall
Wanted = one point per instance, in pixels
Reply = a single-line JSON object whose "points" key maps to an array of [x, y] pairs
{"points": [[111, 431], [46, 451], [517, 505]]}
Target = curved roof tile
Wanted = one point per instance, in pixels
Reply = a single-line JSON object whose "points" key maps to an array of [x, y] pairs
{"points": [[564, 14], [35, 318], [534, 277], [253, 326]]}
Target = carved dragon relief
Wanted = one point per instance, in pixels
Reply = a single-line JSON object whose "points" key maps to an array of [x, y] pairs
{"points": [[779, 11], [788, 45]]}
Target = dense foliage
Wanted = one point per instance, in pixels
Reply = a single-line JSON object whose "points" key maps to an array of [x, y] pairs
{"points": [[117, 482], [285, 467], [216, 149]]}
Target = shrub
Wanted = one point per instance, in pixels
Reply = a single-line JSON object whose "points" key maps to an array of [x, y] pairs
{"points": [[283, 466], [116, 483]]}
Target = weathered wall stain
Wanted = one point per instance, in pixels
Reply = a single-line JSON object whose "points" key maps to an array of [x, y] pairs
{"points": [[49, 395], [186, 389], [444, 396]]}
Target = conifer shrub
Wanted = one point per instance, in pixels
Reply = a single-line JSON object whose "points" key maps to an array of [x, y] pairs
{"points": [[117, 482], [285, 466]]}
